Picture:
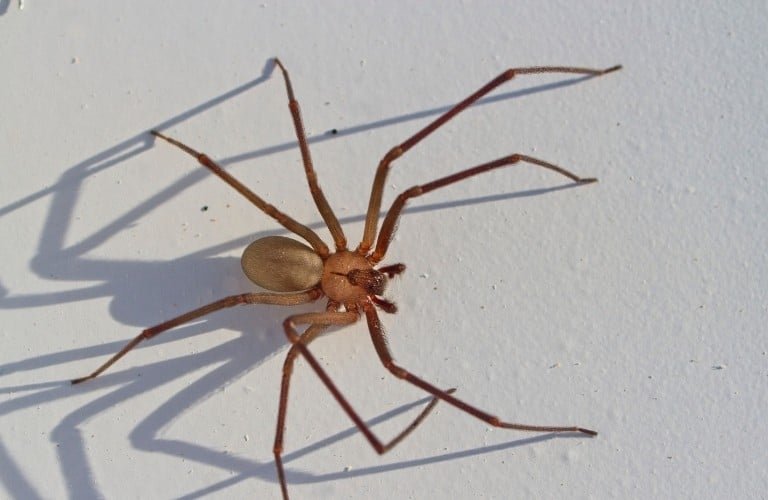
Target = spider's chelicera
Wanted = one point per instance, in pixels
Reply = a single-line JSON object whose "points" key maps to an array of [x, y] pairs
{"points": [[295, 273]]}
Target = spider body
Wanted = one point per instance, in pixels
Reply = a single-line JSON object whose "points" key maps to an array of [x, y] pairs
{"points": [[283, 264], [296, 273]]}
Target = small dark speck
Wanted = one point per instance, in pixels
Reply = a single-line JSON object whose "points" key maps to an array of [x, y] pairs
{"points": [[204, 208], [333, 131]]}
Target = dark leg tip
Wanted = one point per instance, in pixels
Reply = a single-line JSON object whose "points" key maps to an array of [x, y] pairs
{"points": [[588, 180], [451, 390], [612, 69], [80, 380], [588, 432]]}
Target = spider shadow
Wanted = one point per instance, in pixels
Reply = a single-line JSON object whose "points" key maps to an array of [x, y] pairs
{"points": [[235, 357], [139, 292], [245, 470]]}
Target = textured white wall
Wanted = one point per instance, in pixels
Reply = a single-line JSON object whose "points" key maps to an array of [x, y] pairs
{"points": [[635, 306]]}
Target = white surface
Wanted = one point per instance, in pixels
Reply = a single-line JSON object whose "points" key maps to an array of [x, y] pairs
{"points": [[635, 306]]}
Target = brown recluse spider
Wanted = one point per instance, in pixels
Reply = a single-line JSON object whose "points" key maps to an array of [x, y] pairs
{"points": [[296, 273]]}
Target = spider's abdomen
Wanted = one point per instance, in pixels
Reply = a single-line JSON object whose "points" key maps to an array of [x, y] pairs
{"points": [[282, 264]]}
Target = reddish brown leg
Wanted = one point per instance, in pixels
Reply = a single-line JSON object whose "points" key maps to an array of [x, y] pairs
{"points": [[390, 221], [322, 204], [308, 336], [233, 300], [380, 343], [374, 204], [287, 222], [319, 322]]}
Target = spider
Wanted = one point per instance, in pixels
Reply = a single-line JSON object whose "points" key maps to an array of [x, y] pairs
{"points": [[295, 273]]}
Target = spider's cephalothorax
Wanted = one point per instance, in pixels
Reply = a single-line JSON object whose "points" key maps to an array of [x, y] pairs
{"points": [[297, 274], [349, 278]]}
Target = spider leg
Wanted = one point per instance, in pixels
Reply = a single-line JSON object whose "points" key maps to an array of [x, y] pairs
{"points": [[233, 300], [318, 322], [380, 343], [374, 204], [322, 204], [308, 336], [286, 221], [390, 221]]}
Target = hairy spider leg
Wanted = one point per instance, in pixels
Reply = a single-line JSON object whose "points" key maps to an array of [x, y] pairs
{"points": [[286, 221], [317, 194], [390, 221], [374, 204], [233, 300], [318, 322]]}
